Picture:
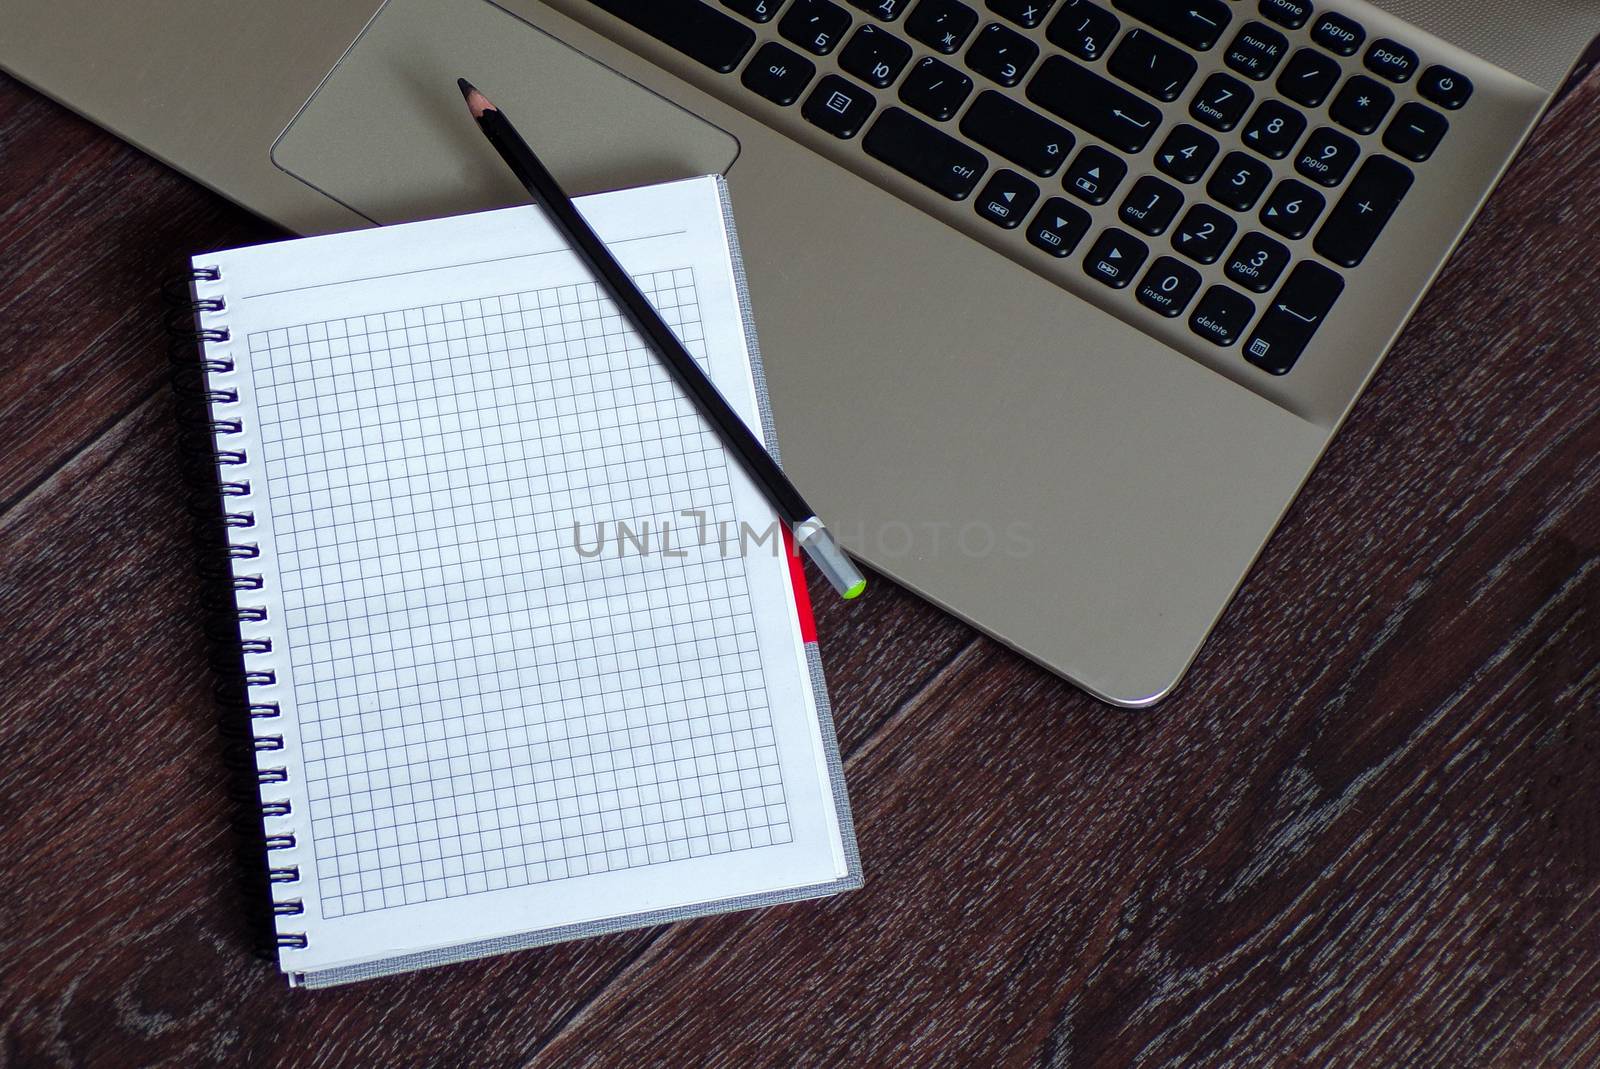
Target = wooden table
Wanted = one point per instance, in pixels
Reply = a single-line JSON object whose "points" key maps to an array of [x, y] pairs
{"points": [[1363, 833]]}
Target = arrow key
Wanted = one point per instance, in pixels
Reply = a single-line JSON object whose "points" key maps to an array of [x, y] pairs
{"points": [[1007, 199], [1293, 318], [1186, 154], [1116, 258], [1094, 175], [1059, 227]]}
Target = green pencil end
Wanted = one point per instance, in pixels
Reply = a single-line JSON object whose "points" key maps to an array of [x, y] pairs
{"points": [[855, 591]]}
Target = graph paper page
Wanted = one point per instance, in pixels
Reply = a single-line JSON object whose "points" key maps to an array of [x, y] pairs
{"points": [[532, 626]]}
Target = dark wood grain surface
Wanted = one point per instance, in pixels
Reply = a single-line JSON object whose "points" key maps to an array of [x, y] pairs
{"points": [[1363, 833]]}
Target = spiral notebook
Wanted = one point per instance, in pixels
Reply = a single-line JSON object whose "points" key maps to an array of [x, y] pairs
{"points": [[528, 655]]}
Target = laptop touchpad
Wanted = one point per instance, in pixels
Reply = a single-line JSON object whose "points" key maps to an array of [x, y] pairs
{"points": [[387, 134]]}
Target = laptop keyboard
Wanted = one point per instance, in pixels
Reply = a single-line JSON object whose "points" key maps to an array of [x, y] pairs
{"points": [[1033, 111]]}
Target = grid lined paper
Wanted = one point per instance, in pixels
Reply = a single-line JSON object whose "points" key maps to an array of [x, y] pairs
{"points": [[482, 705]]}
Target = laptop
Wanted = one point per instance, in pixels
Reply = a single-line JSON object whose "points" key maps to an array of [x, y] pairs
{"points": [[1060, 301]]}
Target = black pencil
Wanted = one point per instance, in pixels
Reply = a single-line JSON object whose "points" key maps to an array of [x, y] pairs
{"points": [[809, 531]]}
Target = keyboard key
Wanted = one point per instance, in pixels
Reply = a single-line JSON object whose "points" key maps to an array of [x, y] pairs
{"points": [[1309, 78], [1222, 102], [1149, 63], [1293, 317], [1339, 34], [1116, 258], [1090, 102], [1327, 156], [942, 25], [1239, 182], [1392, 60], [1059, 227], [1291, 13], [1293, 209], [875, 56], [838, 106], [930, 156], [1445, 87], [1256, 262], [1084, 29], [887, 10], [1222, 315], [1363, 211], [698, 30], [1361, 104], [1197, 23], [1018, 133], [815, 25], [754, 10], [935, 89], [1274, 129], [1007, 199], [1257, 51], [778, 74], [1002, 55], [1028, 13], [1168, 287], [1095, 175], [1151, 206], [1415, 132], [1204, 234], [1187, 153]]}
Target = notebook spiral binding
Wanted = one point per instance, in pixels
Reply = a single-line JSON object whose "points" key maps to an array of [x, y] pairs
{"points": [[210, 432]]}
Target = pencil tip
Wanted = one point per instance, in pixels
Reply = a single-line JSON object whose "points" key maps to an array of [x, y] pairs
{"points": [[477, 103]]}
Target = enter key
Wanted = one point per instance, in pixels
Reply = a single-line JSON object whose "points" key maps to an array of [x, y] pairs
{"points": [[1293, 318]]}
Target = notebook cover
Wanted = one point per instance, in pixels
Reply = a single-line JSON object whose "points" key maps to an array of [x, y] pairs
{"points": [[850, 881]]}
